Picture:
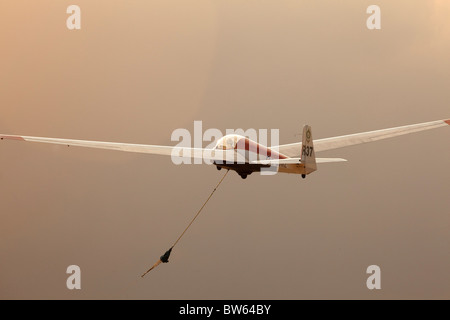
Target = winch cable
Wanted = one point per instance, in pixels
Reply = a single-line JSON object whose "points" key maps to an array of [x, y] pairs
{"points": [[165, 257]]}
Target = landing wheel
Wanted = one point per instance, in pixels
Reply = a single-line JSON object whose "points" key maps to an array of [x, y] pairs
{"points": [[218, 168], [243, 176], [303, 176]]}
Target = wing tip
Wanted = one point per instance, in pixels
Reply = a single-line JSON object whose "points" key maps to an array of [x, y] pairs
{"points": [[11, 137]]}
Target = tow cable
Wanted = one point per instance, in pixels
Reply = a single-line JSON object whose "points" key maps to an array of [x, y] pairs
{"points": [[165, 257]]}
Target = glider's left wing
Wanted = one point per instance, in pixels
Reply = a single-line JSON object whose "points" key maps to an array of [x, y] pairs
{"points": [[294, 149]]}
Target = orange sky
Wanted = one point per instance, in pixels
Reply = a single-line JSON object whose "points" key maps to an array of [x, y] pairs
{"points": [[138, 70]]}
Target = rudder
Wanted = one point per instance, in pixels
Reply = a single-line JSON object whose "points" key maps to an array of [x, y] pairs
{"points": [[308, 158]]}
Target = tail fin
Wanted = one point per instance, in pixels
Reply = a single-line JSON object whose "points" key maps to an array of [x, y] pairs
{"points": [[308, 158]]}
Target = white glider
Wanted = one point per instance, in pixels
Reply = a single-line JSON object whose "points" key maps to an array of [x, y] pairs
{"points": [[245, 156]]}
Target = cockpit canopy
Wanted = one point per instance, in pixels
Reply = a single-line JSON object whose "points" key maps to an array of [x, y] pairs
{"points": [[228, 142]]}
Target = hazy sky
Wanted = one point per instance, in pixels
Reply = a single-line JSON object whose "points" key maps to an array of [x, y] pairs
{"points": [[137, 70]]}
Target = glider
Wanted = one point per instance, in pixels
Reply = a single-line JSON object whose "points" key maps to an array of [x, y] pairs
{"points": [[239, 153], [245, 156]]}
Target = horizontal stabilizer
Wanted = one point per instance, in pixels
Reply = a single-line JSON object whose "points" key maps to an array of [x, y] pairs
{"points": [[296, 160], [326, 160]]}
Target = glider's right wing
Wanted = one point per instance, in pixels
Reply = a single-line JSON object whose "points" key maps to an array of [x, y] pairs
{"points": [[294, 149], [140, 148], [176, 152]]}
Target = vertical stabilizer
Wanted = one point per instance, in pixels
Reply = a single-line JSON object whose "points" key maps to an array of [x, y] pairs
{"points": [[308, 158]]}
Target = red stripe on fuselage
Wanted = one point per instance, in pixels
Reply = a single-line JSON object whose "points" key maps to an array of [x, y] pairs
{"points": [[249, 145]]}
